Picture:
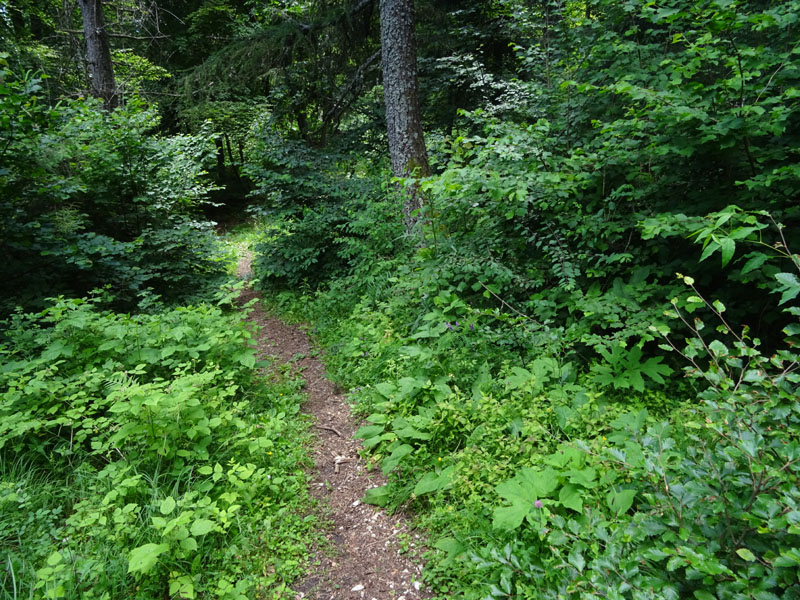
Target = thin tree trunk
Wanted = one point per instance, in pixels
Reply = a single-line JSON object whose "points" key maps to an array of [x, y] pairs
{"points": [[401, 96], [98, 53]]}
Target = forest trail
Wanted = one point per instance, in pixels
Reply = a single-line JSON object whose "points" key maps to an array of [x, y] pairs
{"points": [[366, 560]]}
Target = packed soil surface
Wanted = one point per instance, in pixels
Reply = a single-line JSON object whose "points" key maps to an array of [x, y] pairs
{"points": [[370, 552]]}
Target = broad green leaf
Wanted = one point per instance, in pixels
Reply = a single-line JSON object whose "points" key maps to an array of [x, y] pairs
{"points": [[368, 431], [513, 491], [390, 462], [385, 389], [189, 544], [571, 497], [746, 554], [585, 477], [431, 482], [538, 484], [202, 527], [519, 378], [410, 432], [144, 558], [167, 505], [377, 496], [620, 501], [728, 247], [510, 517], [248, 359]]}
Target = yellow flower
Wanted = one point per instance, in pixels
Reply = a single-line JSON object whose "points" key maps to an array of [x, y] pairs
{"points": [[269, 453]]}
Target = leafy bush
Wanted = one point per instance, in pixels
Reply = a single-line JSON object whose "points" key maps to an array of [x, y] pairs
{"points": [[322, 221], [541, 474], [138, 457], [91, 198]]}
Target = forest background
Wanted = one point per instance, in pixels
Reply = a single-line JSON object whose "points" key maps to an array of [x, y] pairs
{"points": [[577, 363]]}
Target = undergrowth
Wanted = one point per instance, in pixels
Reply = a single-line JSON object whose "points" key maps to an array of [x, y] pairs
{"points": [[141, 456], [541, 474]]}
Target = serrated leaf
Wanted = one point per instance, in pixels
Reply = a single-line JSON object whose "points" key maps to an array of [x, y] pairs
{"points": [[728, 247], [576, 559], [144, 558], [790, 286]]}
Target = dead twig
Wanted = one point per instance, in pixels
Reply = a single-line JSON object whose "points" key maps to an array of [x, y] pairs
{"points": [[333, 429]]}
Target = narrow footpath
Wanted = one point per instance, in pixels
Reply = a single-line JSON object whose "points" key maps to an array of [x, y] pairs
{"points": [[366, 558]]}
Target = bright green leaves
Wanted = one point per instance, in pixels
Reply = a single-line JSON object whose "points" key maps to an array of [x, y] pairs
{"points": [[529, 492], [144, 558], [167, 505], [620, 501], [625, 369], [433, 482], [202, 527], [397, 455], [789, 286], [378, 496], [176, 457], [571, 496]]}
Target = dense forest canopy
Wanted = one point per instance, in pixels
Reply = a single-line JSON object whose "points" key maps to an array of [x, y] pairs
{"points": [[565, 296]]}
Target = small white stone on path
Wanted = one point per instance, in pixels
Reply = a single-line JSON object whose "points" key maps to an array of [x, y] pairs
{"points": [[356, 503], [357, 588], [417, 585]]}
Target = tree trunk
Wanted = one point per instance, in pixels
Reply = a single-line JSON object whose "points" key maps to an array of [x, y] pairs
{"points": [[98, 53], [403, 120]]}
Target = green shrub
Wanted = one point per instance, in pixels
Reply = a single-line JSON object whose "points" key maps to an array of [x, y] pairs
{"points": [[92, 198], [138, 455]]}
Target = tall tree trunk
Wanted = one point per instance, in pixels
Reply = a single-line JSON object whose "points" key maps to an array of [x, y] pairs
{"points": [[401, 96], [98, 53]]}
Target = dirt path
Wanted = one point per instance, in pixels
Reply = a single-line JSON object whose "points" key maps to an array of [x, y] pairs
{"points": [[366, 561]]}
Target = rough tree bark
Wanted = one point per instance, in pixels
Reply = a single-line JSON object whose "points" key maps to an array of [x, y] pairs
{"points": [[401, 96], [98, 53]]}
